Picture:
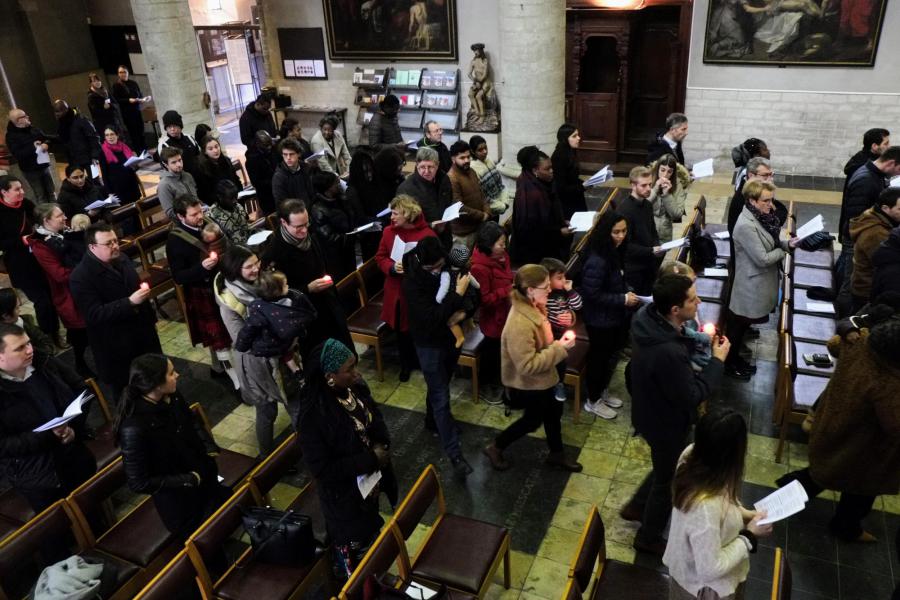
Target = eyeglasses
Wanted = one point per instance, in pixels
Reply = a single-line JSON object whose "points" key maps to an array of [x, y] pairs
{"points": [[543, 288], [109, 244], [765, 175]]}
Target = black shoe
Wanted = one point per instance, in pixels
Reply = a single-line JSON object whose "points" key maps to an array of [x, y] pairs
{"points": [[737, 372], [656, 547], [404, 375], [743, 365], [430, 425], [461, 468], [219, 374]]}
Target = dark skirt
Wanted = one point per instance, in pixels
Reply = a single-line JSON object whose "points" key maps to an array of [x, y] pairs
{"points": [[204, 319]]}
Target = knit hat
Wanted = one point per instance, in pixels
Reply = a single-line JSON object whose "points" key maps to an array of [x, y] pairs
{"points": [[171, 117], [459, 256]]}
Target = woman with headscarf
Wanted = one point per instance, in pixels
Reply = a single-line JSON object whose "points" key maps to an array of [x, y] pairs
{"points": [[566, 183], [343, 437]]}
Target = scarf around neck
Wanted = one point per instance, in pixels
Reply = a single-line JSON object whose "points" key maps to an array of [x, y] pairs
{"points": [[303, 244], [47, 233], [110, 149], [768, 221]]}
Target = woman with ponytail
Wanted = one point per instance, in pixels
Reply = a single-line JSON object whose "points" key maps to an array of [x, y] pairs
{"points": [[168, 453]]}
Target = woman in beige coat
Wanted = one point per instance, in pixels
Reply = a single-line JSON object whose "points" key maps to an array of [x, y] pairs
{"points": [[528, 359]]}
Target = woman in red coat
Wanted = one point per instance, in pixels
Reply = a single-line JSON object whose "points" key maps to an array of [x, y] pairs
{"points": [[409, 225], [59, 251], [490, 267]]}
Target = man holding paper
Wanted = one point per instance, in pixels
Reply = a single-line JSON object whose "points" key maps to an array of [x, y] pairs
{"points": [[29, 145], [34, 389], [466, 189], [644, 254]]}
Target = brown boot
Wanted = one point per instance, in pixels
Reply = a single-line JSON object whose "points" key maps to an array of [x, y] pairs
{"points": [[495, 455], [559, 460]]}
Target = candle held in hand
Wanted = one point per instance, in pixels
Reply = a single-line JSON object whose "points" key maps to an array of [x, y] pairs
{"points": [[568, 336], [213, 255], [709, 329], [145, 286], [326, 278]]}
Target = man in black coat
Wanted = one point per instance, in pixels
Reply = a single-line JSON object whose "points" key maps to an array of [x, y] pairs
{"points": [[430, 186], [23, 141], [669, 142], [128, 94], [297, 254], [115, 304], [384, 128], [862, 191], [875, 142], [257, 117], [665, 392], [433, 139], [261, 163], [78, 134], [291, 180], [176, 138], [643, 256], [42, 466]]}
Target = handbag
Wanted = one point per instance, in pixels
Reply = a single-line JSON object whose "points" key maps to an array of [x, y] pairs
{"points": [[279, 537]]}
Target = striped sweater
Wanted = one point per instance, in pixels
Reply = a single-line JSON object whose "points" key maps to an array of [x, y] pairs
{"points": [[558, 303]]}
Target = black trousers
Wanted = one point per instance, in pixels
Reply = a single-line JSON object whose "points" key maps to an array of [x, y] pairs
{"points": [[736, 327], [541, 407], [79, 340], [655, 493], [407, 351], [851, 509], [602, 357], [43, 306]]}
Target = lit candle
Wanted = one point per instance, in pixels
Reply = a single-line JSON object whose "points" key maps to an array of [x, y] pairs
{"points": [[326, 278], [568, 336], [709, 329], [145, 286], [213, 255]]}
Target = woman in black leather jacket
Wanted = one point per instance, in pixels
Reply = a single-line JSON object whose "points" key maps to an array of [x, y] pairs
{"points": [[168, 452]]}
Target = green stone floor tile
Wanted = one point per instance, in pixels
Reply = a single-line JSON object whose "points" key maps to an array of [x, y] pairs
{"points": [[597, 463], [570, 514], [546, 579], [632, 470], [587, 488], [762, 471], [559, 544]]}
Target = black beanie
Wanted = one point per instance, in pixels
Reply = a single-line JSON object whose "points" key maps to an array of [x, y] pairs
{"points": [[171, 117]]}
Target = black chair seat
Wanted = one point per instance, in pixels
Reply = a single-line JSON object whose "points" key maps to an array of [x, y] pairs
{"points": [[158, 276], [14, 506], [710, 289], [576, 361], [800, 301], [138, 538], [474, 338], [256, 580], [807, 277], [377, 299], [307, 503], [812, 329], [103, 446], [124, 569], [723, 248], [712, 228], [812, 348], [233, 466], [819, 258], [807, 389], [450, 557], [621, 580], [367, 321]]}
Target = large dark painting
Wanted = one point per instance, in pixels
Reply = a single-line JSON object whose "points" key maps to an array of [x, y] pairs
{"points": [[836, 33], [391, 29]]}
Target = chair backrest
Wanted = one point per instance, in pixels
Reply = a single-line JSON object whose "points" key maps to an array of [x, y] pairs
{"points": [[125, 214], [101, 399], [701, 212], [87, 501], [272, 469], [781, 577], [177, 580], [150, 243], [151, 212], [387, 549], [572, 590], [350, 294], [198, 411], [372, 279], [591, 547], [576, 264], [426, 490], [206, 546], [25, 553]]}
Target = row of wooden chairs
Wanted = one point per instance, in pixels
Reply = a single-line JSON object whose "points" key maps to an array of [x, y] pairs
{"points": [[601, 577], [459, 552]]}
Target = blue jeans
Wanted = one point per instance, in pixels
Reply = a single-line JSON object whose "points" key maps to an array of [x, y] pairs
{"points": [[437, 366]]}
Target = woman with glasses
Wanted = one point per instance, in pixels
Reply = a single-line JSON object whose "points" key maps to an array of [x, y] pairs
{"points": [[528, 359], [121, 180], [758, 254]]}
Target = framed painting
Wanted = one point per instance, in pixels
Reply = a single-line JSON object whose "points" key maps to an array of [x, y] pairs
{"points": [[828, 33], [423, 30]]}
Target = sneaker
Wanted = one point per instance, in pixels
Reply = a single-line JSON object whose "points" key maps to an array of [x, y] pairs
{"points": [[601, 410], [560, 392], [611, 401]]}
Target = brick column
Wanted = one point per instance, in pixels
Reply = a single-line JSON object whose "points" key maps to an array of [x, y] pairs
{"points": [[174, 66], [533, 42]]}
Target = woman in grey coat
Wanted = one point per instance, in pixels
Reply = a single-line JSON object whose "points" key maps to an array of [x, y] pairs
{"points": [[758, 253], [262, 385]]}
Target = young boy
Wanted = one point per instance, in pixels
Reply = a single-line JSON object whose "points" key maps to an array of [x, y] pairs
{"points": [[458, 258], [562, 303]]}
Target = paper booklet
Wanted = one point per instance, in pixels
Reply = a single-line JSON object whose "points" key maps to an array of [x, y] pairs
{"points": [[314, 156], [363, 227], [384, 213], [259, 237], [367, 483], [814, 225], [111, 201], [599, 177], [677, 243], [722, 235], [713, 272], [247, 192], [704, 168], [72, 411], [783, 502], [43, 157], [400, 248], [582, 220], [137, 159], [451, 213]]}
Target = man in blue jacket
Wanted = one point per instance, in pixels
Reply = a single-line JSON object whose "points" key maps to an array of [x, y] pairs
{"points": [[665, 392]]}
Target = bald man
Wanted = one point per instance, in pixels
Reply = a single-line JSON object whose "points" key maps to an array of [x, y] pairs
{"points": [[24, 140]]}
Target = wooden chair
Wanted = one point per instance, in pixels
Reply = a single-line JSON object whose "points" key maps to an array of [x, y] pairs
{"points": [[571, 591], [807, 277], [240, 578], [126, 221], [613, 579], [363, 320], [234, 467], [51, 536], [14, 507], [460, 552], [470, 356], [156, 270], [139, 537], [269, 472], [7, 526], [372, 282], [781, 577], [151, 212], [799, 301], [387, 549], [177, 579], [795, 393], [822, 259], [238, 168], [103, 446], [576, 366]]}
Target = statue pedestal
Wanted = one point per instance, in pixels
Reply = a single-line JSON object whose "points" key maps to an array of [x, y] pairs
{"points": [[495, 150]]}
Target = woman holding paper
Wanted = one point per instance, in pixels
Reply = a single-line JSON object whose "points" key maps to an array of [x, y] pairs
{"points": [[712, 535], [78, 191], [121, 180], [567, 183], [668, 194], [167, 450], [758, 254], [343, 437], [59, 251], [408, 225]]}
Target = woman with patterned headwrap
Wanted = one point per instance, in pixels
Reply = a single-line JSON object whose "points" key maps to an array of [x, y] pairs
{"points": [[343, 436]]}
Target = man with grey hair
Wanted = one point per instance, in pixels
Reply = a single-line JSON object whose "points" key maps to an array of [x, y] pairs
{"points": [[669, 142], [758, 169], [430, 187], [433, 139]]}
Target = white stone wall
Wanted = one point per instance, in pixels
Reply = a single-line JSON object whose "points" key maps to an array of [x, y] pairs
{"points": [[808, 133]]}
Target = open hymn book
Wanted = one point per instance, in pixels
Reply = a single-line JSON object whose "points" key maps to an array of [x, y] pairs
{"points": [[72, 411], [783, 502]]}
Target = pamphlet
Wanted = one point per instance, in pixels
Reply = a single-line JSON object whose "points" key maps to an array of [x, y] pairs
{"points": [[722, 235], [645, 299], [95, 171], [384, 213], [582, 220], [452, 212], [137, 159], [314, 156], [400, 248], [704, 168], [43, 157], [895, 182], [599, 177], [414, 77], [419, 591], [676, 243], [783, 502], [72, 411], [250, 191], [259, 237], [715, 272], [111, 201], [814, 225], [367, 483], [364, 227]]}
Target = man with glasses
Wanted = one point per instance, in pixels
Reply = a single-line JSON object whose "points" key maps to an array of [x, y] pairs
{"points": [[109, 294], [28, 145], [297, 254], [433, 138], [758, 169]]}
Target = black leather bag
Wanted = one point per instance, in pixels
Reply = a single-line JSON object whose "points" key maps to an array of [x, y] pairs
{"points": [[279, 537]]}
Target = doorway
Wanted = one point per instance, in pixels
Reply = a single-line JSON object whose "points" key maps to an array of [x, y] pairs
{"points": [[625, 72]]}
